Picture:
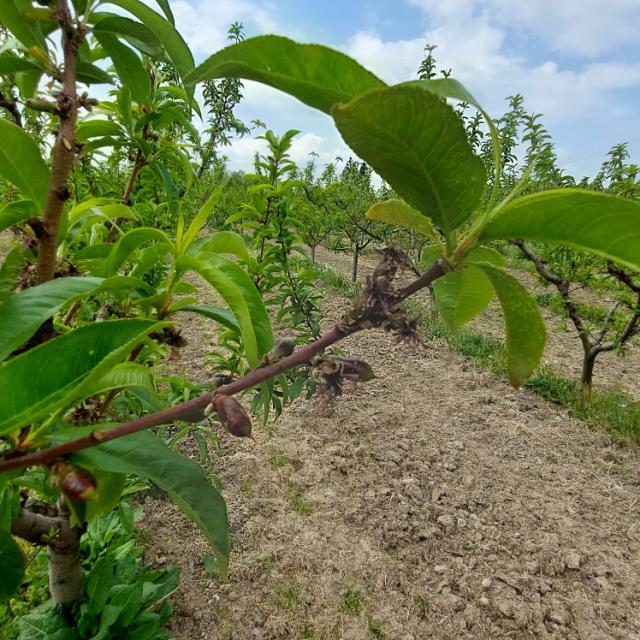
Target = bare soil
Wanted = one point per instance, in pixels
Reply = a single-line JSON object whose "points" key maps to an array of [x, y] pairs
{"points": [[432, 502]]}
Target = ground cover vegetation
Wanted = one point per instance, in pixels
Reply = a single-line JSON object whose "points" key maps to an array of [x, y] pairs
{"points": [[119, 212]]}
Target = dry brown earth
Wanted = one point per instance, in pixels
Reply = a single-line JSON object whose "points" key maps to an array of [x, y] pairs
{"points": [[434, 502]]}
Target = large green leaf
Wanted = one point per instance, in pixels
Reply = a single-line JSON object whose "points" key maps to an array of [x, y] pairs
{"points": [[135, 33], [462, 294], [523, 323], [316, 75], [171, 40], [606, 225], [129, 242], [56, 373], [29, 33], [16, 212], [145, 455], [227, 242], [130, 69], [450, 88], [25, 311], [417, 143], [239, 292], [21, 162], [13, 566], [400, 213]]}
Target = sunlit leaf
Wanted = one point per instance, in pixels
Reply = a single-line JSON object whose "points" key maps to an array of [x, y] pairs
{"points": [[606, 225], [316, 75]]}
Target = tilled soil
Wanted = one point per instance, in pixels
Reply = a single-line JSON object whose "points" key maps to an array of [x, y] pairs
{"points": [[432, 502], [563, 350]]}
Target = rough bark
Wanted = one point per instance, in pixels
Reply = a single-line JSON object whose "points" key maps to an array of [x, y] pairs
{"points": [[64, 150]]}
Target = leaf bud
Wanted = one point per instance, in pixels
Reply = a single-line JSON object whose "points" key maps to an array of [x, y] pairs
{"points": [[77, 484], [233, 416]]}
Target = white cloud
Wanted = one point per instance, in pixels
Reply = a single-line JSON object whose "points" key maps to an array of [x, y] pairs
{"points": [[583, 27], [470, 44], [204, 23]]}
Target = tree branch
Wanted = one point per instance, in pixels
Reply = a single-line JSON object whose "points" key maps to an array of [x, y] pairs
{"points": [[193, 410], [562, 286]]}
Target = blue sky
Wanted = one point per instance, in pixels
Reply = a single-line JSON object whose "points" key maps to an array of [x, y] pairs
{"points": [[576, 61]]}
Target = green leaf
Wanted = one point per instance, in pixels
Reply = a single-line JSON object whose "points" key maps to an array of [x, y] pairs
{"points": [[97, 127], [524, 326], [417, 143], [56, 373], [10, 64], [219, 314], [170, 188], [400, 213], [13, 566], [462, 294], [91, 74], [144, 454], [239, 292], [129, 242], [99, 582], [29, 33], [450, 88], [12, 213], [25, 311], [606, 225], [173, 43], [166, 9], [133, 377], [109, 488], [430, 254], [201, 218], [129, 67], [21, 162], [28, 82], [148, 258], [45, 622], [227, 242], [316, 75], [485, 254], [10, 271], [128, 598], [135, 33]]}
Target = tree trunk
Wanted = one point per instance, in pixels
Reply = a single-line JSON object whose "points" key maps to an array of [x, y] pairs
{"points": [[313, 253], [354, 269], [586, 378], [64, 151], [66, 580]]}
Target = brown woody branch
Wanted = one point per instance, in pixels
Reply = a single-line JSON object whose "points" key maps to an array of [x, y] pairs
{"points": [[64, 150], [193, 410]]}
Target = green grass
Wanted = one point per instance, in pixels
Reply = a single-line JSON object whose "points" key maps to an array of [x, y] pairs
{"points": [[375, 629], [298, 503], [335, 280], [289, 596], [352, 600], [553, 302], [278, 458]]}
